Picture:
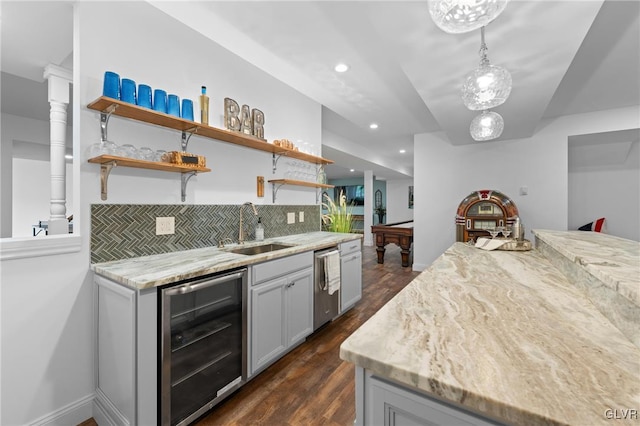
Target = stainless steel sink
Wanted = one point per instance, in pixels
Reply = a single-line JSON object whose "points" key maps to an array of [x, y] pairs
{"points": [[263, 248]]}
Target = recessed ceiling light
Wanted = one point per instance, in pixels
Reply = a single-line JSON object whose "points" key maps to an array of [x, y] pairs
{"points": [[352, 170], [373, 125], [341, 67], [402, 151]]}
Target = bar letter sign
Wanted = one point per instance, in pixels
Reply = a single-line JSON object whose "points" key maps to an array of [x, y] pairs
{"points": [[243, 120]]}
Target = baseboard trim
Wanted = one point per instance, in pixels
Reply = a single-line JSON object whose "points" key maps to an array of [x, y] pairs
{"points": [[71, 414], [105, 413]]}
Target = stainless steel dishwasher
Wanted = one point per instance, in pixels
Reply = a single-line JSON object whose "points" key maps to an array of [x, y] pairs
{"points": [[203, 344], [325, 305]]}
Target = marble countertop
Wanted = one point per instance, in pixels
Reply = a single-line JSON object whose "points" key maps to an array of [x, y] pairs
{"points": [[151, 271], [504, 334], [612, 260]]}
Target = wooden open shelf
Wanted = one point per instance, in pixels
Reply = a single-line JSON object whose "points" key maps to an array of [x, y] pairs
{"points": [[143, 164], [300, 183], [277, 183], [108, 162], [127, 110]]}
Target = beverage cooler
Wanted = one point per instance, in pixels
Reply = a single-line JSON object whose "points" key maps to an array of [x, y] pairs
{"points": [[483, 210], [203, 344]]}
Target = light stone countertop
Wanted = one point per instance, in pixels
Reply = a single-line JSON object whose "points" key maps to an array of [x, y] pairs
{"points": [[504, 334], [612, 260], [151, 271]]}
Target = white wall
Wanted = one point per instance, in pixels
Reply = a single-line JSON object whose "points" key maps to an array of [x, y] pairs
{"points": [[445, 174], [47, 312], [32, 193], [611, 192], [179, 60], [22, 131], [398, 200]]}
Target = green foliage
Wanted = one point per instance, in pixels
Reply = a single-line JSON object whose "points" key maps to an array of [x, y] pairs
{"points": [[339, 217]]}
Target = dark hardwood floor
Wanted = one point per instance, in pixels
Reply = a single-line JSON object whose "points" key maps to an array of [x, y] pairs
{"points": [[311, 385]]}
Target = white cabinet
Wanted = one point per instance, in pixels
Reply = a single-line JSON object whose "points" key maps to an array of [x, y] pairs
{"points": [[350, 273], [281, 300], [126, 354], [299, 306], [382, 402], [267, 323]]}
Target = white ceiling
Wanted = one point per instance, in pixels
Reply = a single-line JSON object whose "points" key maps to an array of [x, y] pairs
{"points": [[565, 57], [34, 35]]}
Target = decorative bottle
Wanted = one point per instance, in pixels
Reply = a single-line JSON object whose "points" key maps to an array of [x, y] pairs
{"points": [[259, 230], [204, 106]]}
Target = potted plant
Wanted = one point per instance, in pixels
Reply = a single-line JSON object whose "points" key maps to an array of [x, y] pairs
{"points": [[339, 217], [380, 211]]}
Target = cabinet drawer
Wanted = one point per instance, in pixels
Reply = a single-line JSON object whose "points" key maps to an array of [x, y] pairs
{"points": [[279, 267], [350, 247]]}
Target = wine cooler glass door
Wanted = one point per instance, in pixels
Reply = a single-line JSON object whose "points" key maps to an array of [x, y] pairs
{"points": [[203, 345]]}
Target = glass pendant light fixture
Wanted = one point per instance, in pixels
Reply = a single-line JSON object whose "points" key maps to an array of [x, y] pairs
{"points": [[462, 16], [488, 85], [486, 126]]}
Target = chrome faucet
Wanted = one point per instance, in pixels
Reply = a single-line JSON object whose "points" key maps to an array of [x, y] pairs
{"points": [[241, 232]]}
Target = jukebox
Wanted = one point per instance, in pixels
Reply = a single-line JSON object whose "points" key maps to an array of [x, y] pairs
{"points": [[483, 210]]}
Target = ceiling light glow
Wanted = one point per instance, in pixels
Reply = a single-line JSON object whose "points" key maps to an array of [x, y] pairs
{"points": [[373, 125], [486, 126], [352, 170], [341, 67], [402, 151], [461, 16], [488, 85]]}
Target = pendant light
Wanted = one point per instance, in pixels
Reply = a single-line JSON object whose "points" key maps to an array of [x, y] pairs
{"points": [[486, 126], [462, 16], [488, 85]]}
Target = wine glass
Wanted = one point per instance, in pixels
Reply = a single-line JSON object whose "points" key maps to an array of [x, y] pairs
{"points": [[493, 231], [146, 153], [506, 231]]}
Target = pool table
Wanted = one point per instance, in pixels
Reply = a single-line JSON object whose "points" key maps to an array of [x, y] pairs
{"points": [[400, 233]]}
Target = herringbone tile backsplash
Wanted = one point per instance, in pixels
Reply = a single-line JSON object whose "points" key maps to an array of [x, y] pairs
{"points": [[122, 231]]}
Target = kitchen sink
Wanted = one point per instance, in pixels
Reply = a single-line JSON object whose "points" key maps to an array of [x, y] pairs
{"points": [[263, 248]]}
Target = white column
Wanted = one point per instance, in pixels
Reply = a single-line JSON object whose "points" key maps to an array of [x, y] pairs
{"points": [[368, 207], [59, 82]]}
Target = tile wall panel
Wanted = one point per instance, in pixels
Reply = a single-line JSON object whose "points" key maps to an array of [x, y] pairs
{"points": [[122, 231]]}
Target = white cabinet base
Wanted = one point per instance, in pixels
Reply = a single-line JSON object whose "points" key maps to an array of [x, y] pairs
{"points": [[382, 402], [281, 308], [350, 274], [126, 355]]}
